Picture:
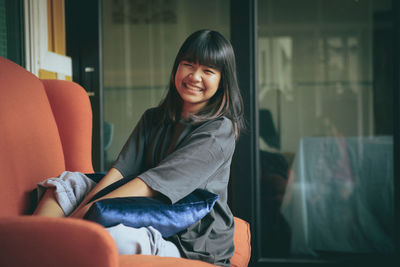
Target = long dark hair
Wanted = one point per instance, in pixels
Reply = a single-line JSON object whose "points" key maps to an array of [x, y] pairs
{"points": [[210, 48]]}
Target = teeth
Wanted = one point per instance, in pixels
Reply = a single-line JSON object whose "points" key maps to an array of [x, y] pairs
{"points": [[192, 87]]}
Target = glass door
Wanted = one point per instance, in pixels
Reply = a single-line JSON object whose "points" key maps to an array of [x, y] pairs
{"points": [[141, 40], [325, 114]]}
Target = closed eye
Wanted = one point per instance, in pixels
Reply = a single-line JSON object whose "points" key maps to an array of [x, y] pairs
{"points": [[209, 71], [187, 64]]}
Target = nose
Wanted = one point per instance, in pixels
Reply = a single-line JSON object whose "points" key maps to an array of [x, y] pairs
{"points": [[195, 75]]}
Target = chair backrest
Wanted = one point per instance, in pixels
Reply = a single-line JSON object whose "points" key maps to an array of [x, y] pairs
{"points": [[45, 129], [30, 145], [73, 114]]}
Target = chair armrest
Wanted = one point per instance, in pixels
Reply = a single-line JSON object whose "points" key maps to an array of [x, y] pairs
{"points": [[42, 241], [150, 261]]}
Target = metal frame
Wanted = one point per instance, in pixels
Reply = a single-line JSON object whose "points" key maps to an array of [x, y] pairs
{"points": [[245, 162], [396, 118], [84, 45]]}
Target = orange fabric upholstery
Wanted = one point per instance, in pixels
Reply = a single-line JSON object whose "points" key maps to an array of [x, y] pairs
{"points": [[30, 146], [242, 242], [71, 108], [45, 129], [151, 261], [39, 241]]}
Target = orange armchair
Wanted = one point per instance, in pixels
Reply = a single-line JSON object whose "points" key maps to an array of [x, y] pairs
{"points": [[45, 129]]}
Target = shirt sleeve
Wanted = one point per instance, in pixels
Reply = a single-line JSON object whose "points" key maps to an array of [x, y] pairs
{"points": [[196, 160], [131, 158]]}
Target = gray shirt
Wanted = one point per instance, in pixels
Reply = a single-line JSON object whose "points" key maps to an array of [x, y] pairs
{"points": [[177, 158]]}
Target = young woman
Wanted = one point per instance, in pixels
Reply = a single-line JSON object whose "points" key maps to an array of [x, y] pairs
{"points": [[185, 143]]}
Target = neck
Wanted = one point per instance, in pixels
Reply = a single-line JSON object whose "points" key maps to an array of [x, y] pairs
{"points": [[187, 110]]}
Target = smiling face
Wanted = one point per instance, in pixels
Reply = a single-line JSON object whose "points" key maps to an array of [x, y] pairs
{"points": [[196, 84]]}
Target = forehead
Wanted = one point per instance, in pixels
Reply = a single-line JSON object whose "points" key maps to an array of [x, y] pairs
{"points": [[199, 63]]}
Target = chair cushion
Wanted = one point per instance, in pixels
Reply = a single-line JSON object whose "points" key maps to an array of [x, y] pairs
{"points": [[138, 212]]}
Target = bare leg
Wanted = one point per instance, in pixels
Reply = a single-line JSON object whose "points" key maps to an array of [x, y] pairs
{"points": [[48, 205]]}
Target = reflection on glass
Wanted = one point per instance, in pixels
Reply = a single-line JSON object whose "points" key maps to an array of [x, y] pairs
{"points": [[141, 38], [326, 141]]}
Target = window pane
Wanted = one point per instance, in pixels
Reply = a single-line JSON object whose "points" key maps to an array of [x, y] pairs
{"points": [[3, 29], [326, 136], [141, 40], [12, 31]]}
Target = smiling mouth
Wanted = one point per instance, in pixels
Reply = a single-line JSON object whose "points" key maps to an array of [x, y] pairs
{"points": [[192, 88]]}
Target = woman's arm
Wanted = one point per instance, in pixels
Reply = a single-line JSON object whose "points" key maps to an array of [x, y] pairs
{"points": [[48, 205], [112, 176], [134, 188]]}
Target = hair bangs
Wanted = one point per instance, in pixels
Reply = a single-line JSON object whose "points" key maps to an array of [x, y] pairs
{"points": [[205, 53]]}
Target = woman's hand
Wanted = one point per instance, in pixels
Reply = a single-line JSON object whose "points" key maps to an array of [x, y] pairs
{"points": [[112, 176], [80, 212]]}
